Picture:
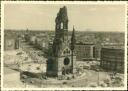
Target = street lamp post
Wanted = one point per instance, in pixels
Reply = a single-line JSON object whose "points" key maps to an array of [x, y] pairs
{"points": [[72, 61], [98, 78]]}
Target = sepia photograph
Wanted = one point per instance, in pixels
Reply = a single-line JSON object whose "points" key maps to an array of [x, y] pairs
{"points": [[63, 45]]}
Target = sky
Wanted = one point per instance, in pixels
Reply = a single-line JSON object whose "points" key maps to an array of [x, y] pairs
{"points": [[83, 17]]}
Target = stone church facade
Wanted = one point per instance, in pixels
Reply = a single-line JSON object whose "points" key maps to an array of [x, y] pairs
{"points": [[61, 62]]}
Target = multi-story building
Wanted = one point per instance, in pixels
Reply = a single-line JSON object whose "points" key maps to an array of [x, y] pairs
{"points": [[85, 51], [42, 41], [11, 42], [112, 59]]}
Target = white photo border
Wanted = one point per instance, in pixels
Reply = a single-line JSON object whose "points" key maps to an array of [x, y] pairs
{"points": [[64, 2]]}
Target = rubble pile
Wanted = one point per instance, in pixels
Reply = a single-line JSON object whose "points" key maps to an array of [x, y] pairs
{"points": [[117, 80]]}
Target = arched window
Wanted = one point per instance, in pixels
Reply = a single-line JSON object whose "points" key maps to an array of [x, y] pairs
{"points": [[69, 51], [57, 26], [66, 51], [61, 25]]}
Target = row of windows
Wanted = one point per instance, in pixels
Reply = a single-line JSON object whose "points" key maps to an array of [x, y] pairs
{"points": [[112, 54], [112, 58]]}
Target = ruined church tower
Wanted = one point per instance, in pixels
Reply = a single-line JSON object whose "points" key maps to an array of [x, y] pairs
{"points": [[60, 61], [61, 33]]}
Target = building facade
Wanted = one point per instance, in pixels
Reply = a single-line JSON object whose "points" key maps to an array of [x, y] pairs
{"points": [[60, 62], [85, 51], [42, 42], [112, 59], [11, 42]]}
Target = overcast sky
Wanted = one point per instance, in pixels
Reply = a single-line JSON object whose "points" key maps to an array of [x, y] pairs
{"points": [[83, 17]]}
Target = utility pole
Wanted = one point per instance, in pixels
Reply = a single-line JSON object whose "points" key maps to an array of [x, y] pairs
{"points": [[98, 78], [72, 61]]}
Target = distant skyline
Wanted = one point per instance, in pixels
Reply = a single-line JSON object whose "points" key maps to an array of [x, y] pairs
{"points": [[83, 17]]}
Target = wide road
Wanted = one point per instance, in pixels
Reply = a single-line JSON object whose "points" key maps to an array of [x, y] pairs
{"points": [[34, 54]]}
